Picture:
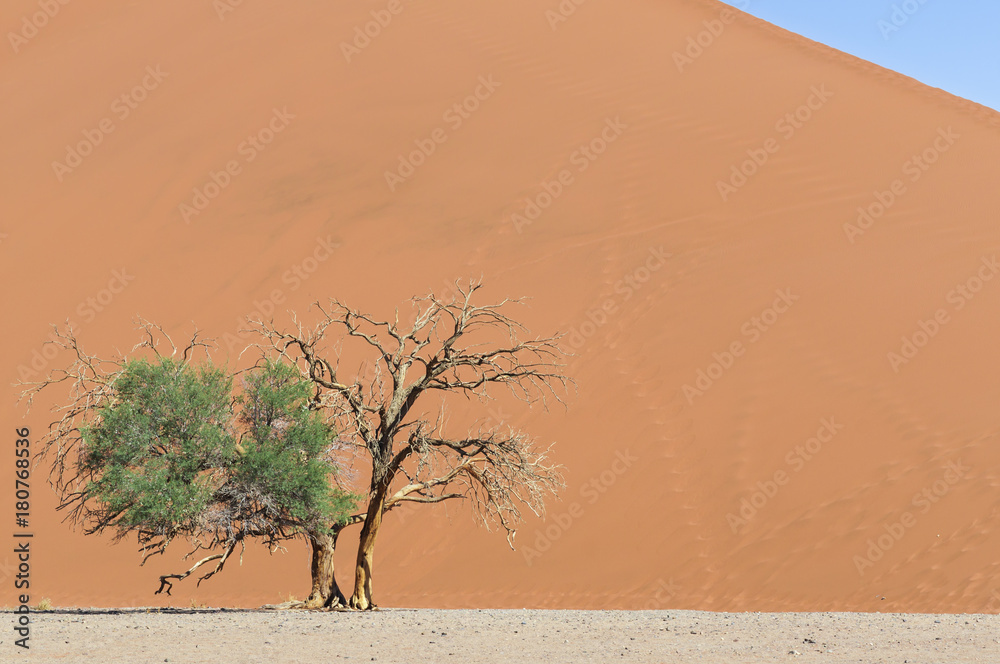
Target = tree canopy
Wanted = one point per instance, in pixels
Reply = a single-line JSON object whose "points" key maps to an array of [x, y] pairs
{"points": [[165, 448]]}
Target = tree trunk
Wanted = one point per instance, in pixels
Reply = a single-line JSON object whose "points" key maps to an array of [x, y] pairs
{"points": [[325, 591], [362, 598]]}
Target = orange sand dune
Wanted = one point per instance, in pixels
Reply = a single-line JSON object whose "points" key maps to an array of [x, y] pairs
{"points": [[741, 438]]}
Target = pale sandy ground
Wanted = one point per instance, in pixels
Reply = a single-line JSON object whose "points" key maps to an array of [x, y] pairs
{"points": [[423, 635]]}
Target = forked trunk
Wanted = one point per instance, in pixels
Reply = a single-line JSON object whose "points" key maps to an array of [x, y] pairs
{"points": [[362, 598], [325, 591]]}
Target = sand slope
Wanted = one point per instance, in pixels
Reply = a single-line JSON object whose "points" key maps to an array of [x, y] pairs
{"points": [[657, 273]]}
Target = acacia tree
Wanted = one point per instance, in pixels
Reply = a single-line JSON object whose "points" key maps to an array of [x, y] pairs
{"points": [[160, 447], [448, 347]]}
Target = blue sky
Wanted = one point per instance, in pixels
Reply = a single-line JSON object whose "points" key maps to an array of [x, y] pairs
{"points": [[949, 44]]}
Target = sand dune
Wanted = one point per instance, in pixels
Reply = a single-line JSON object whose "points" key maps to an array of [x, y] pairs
{"points": [[784, 403]]}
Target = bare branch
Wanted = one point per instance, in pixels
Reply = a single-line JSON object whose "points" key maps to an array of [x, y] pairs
{"points": [[166, 585]]}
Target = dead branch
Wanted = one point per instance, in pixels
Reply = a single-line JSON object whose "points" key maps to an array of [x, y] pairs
{"points": [[446, 346], [165, 583]]}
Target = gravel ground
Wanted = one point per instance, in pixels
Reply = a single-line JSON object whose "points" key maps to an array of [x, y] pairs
{"points": [[403, 635]]}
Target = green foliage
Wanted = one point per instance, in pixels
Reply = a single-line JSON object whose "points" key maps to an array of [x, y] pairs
{"points": [[152, 449], [174, 453], [285, 446]]}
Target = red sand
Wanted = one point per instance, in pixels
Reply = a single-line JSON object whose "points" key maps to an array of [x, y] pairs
{"points": [[657, 529]]}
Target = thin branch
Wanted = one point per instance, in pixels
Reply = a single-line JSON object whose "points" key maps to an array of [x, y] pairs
{"points": [[165, 583]]}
